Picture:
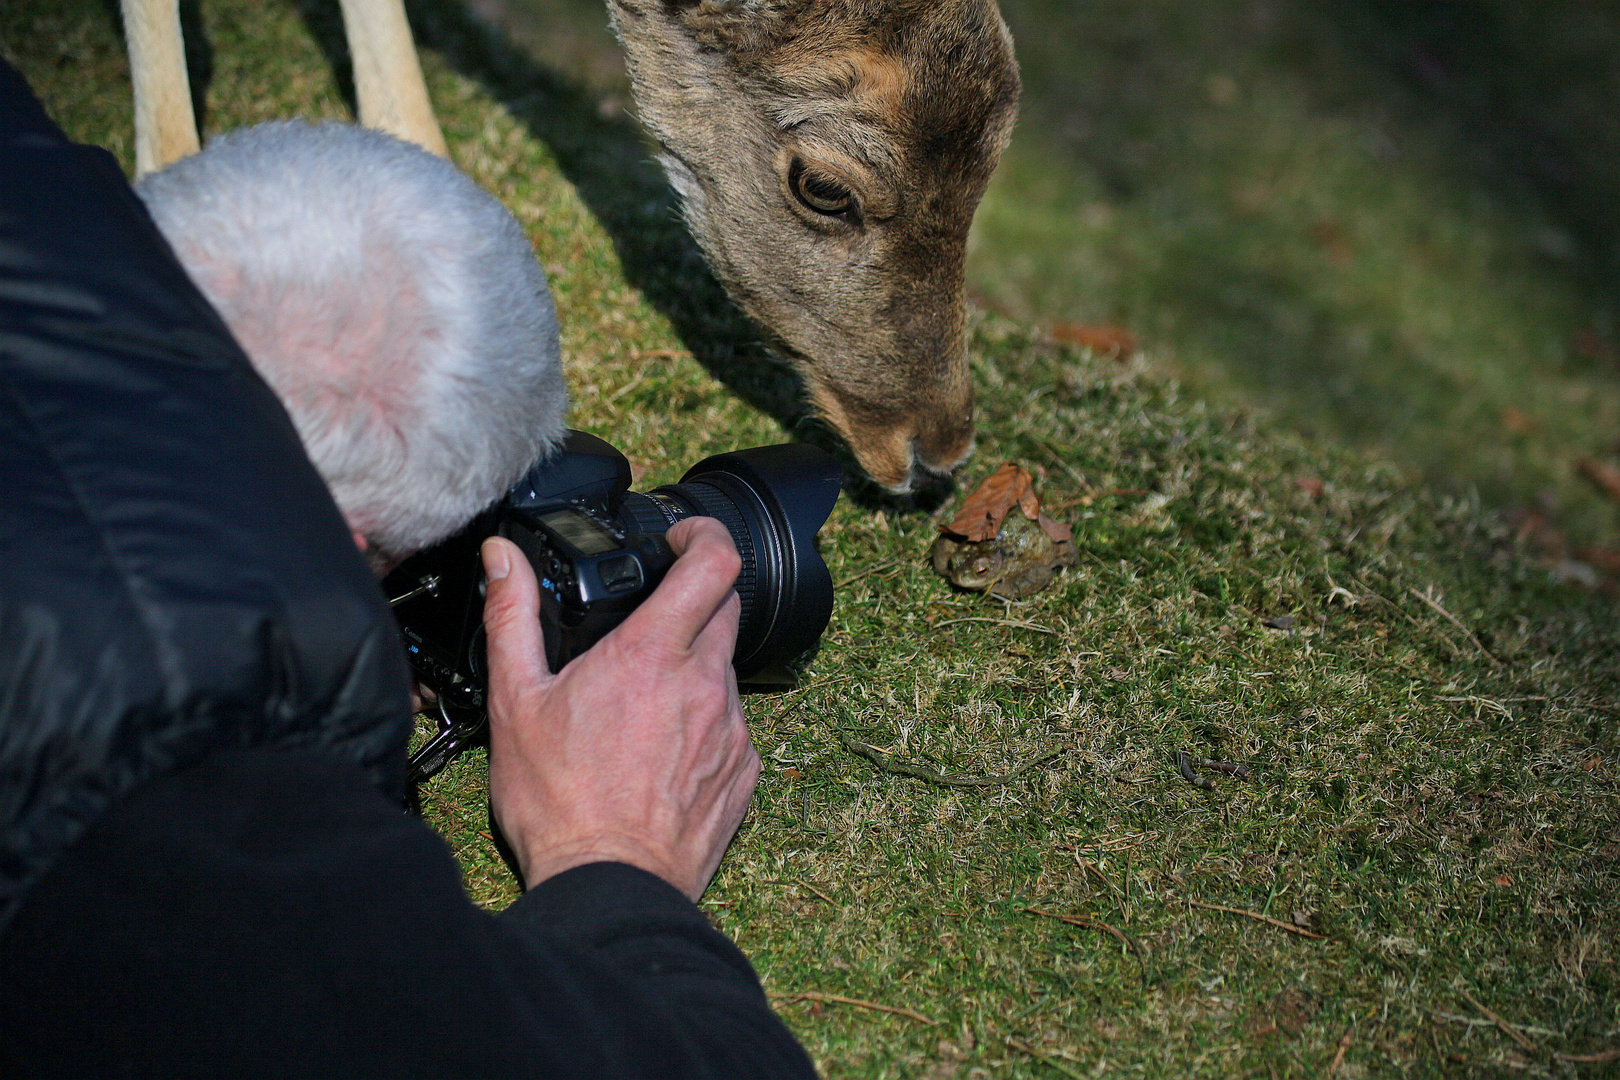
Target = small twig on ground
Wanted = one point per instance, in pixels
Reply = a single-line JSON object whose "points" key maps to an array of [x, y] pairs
{"points": [[917, 772], [1103, 845], [1184, 763], [627, 387], [1057, 458], [1469, 634], [1338, 1058], [661, 354], [818, 892], [1482, 702], [1037, 627], [1242, 772], [1480, 1021], [1091, 924], [1044, 1059], [840, 999], [1278, 923], [1087, 864], [1506, 1028], [1602, 1057], [874, 568]]}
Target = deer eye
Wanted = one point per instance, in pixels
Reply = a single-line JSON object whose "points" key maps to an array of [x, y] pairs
{"points": [[818, 191]]}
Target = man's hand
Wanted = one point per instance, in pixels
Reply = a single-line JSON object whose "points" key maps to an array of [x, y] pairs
{"points": [[637, 751]]}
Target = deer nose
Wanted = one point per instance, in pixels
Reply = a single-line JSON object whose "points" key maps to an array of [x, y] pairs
{"points": [[940, 445]]}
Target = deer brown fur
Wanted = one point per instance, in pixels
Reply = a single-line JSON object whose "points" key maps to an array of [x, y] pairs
{"points": [[829, 156]]}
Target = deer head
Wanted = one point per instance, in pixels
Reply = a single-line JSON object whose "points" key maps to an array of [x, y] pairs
{"points": [[829, 155]]}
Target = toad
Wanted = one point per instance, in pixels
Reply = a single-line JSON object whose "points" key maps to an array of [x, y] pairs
{"points": [[1017, 562]]}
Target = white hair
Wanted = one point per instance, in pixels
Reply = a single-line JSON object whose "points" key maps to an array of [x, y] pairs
{"points": [[394, 306]]}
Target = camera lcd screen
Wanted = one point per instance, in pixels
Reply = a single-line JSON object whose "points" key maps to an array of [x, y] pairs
{"points": [[579, 530]]}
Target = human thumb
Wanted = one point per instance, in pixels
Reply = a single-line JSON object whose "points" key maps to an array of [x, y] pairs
{"points": [[514, 643]]}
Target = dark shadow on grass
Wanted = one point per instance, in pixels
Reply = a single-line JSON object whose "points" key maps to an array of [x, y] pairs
{"points": [[324, 21], [1532, 90]]}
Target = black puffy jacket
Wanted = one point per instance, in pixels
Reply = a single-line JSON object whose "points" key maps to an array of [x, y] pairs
{"points": [[174, 577], [202, 709]]}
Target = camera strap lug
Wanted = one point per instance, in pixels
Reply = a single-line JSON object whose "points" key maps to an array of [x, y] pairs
{"points": [[458, 730]]}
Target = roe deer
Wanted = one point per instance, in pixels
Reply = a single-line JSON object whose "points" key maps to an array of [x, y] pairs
{"points": [[828, 154]]}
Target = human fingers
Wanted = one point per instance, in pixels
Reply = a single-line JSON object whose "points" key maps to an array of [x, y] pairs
{"points": [[695, 589], [516, 648], [717, 641]]}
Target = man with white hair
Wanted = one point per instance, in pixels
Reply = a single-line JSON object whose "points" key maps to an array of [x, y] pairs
{"points": [[393, 305], [202, 698]]}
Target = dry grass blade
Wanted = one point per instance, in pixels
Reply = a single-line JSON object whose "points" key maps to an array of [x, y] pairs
{"points": [[876, 567], [887, 763], [1000, 622], [1090, 924], [818, 892], [1602, 1057], [1506, 1028], [840, 999], [1044, 1059], [1255, 915], [1448, 616]]}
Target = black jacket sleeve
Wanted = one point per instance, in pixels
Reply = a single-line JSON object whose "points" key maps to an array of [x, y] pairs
{"points": [[268, 914], [204, 870], [174, 577]]}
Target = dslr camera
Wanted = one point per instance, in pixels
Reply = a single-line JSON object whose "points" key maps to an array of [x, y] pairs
{"points": [[598, 550]]}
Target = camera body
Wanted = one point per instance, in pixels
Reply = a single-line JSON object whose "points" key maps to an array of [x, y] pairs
{"points": [[598, 550]]}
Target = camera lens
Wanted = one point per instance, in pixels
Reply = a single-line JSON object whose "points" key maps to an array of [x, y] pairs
{"points": [[772, 500]]}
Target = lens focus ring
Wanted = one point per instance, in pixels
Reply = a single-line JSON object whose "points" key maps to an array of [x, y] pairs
{"points": [[710, 501]]}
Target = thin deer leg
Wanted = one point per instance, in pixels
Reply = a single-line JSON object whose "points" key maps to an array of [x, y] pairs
{"points": [[165, 127], [388, 75]]}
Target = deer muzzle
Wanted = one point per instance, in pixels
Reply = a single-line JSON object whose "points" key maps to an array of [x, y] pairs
{"points": [[900, 448]]}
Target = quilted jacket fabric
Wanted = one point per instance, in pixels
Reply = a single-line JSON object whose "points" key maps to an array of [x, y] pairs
{"points": [[174, 577]]}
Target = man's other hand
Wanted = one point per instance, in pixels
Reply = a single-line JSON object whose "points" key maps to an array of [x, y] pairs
{"points": [[637, 752]]}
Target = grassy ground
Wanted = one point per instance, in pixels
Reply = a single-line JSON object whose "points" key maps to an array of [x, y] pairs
{"points": [[1428, 716]]}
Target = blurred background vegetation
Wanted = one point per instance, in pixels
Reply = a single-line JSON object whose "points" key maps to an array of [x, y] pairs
{"points": [[1391, 223]]}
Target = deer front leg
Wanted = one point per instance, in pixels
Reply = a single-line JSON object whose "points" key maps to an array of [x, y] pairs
{"points": [[165, 127], [387, 74]]}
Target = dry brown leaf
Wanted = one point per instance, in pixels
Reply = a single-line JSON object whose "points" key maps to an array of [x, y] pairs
{"points": [[1602, 474], [1059, 532], [1533, 527], [983, 511], [1593, 345], [1329, 236], [1604, 560], [1518, 422], [1100, 338]]}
